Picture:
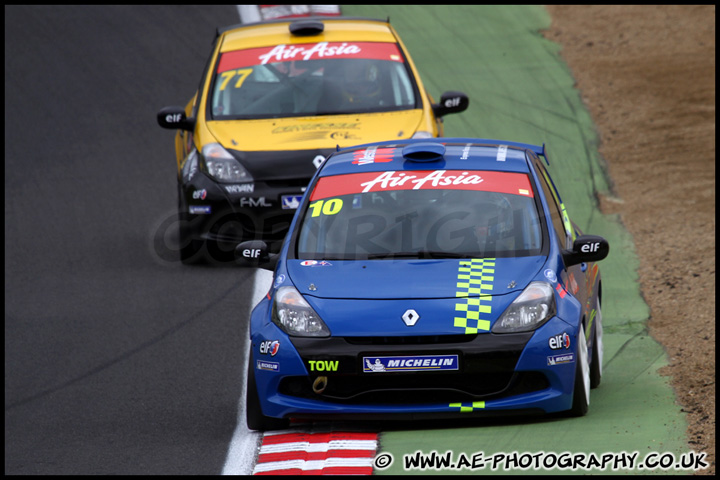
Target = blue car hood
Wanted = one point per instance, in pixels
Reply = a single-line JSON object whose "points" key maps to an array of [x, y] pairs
{"points": [[374, 297], [412, 279]]}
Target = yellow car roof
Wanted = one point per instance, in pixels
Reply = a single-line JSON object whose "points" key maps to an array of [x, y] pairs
{"points": [[277, 33]]}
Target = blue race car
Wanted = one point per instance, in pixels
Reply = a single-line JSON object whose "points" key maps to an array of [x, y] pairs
{"points": [[426, 279]]}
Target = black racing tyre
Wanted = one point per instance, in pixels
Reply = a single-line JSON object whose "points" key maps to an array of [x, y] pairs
{"points": [[253, 411], [190, 248], [597, 354], [581, 390]]}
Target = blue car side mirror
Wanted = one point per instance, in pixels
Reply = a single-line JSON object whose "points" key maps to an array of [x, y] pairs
{"points": [[586, 248]]}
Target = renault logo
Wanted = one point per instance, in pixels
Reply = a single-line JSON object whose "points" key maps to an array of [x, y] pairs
{"points": [[410, 317]]}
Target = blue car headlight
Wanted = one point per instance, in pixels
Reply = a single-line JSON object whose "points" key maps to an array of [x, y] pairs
{"points": [[295, 316], [533, 307]]}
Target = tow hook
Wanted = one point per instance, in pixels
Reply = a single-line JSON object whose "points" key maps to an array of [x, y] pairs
{"points": [[319, 385]]}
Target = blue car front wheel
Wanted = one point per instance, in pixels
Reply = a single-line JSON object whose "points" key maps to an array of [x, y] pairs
{"points": [[581, 390], [253, 411], [597, 355]]}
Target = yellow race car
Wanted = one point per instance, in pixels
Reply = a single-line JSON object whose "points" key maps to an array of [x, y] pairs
{"points": [[276, 98]]}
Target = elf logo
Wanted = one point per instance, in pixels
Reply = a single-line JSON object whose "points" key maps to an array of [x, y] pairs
{"points": [[323, 365], [559, 341], [269, 346], [590, 247]]}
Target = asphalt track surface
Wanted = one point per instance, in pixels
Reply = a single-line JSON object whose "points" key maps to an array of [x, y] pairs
{"points": [[118, 359]]}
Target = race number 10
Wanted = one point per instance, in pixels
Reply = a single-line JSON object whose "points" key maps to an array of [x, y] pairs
{"points": [[330, 207]]}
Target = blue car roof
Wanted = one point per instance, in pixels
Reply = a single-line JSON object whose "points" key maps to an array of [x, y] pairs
{"points": [[432, 154]]}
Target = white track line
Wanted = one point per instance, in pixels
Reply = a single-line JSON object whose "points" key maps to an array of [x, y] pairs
{"points": [[245, 443]]}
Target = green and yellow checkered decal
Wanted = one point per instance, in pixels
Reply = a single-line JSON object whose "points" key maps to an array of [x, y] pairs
{"points": [[475, 283], [468, 407]]}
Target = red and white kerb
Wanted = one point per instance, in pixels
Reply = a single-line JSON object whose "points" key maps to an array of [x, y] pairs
{"points": [[330, 453]]}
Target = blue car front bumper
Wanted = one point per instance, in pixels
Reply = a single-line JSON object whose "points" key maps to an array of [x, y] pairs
{"points": [[531, 372]]}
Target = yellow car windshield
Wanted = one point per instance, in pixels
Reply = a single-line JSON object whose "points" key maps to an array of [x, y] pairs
{"points": [[325, 78]]}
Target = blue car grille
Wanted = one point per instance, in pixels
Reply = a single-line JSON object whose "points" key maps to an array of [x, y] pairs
{"points": [[486, 369], [416, 389]]}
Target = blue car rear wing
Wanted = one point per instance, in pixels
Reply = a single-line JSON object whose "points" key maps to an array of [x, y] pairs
{"points": [[537, 150]]}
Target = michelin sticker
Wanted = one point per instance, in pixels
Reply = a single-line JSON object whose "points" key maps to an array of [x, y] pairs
{"points": [[421, 363], [270, 366], [200, 209], [560, 359]]}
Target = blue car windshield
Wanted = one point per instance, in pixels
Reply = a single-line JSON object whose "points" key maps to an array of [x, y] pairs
{"points": [[311, 79], [343, 221]]}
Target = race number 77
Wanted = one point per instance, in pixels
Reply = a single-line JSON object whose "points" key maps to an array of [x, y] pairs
{"points": [[231, 73]]}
